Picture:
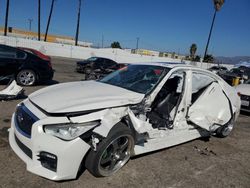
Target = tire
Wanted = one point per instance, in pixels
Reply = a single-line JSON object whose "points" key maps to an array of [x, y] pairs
{"points": [[225, 130], [26, 77], [112, 153]]}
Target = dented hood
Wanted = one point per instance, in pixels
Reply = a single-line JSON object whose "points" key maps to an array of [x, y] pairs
{"points": [[82, 96]]}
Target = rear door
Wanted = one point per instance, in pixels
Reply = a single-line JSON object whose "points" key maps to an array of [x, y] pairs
{"points": [[10, 60], [209, 104]]}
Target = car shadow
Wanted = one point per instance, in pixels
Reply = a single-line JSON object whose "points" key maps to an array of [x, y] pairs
{"points": [[245, 113], [48, 83]]}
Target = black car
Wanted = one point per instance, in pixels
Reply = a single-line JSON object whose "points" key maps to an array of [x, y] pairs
{"points": [[240, 72], [97, 67], [218, 69], [27, 68]]}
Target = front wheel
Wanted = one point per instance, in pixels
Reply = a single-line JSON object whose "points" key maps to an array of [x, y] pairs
{"points": [[26, 77], [112, 153]]}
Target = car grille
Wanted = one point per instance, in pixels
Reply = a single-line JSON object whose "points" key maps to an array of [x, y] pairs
{"points": [[24, 148], [245, 98], [24, 120]]}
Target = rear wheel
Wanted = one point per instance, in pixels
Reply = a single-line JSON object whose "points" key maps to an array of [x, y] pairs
{"points": [[112, 153], [26, 77], [225, 130]]}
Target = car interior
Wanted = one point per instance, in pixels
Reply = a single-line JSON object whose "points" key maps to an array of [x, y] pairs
{"points": [[165, 101]]}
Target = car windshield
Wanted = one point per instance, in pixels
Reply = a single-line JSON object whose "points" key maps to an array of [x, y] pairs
{"points": [[236, 71], [92, 59], [138, 78], [214, 68]]}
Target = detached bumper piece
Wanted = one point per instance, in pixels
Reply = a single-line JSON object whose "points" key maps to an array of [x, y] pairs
{"points": [[12, 91], [48, 160]]}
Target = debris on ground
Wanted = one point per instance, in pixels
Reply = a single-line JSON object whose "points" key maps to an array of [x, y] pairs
{"points": [[205, 151], [12, 91]]}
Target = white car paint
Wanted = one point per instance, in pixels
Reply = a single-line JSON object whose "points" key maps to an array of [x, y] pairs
{"points": [[244, 89], [81, 96], [109, 104]]}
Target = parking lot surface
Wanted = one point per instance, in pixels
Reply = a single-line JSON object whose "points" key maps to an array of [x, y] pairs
{"points": [[213, 162]]}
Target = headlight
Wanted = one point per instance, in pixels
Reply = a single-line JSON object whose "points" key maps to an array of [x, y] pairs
{"points": [[69, 131]]}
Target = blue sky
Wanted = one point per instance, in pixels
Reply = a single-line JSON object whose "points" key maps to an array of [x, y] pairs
{"points": [[165, 25]]}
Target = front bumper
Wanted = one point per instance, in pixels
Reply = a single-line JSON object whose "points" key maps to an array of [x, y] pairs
{"points": [[69, 153], [80, 68], [245, 103], [46, 75]]}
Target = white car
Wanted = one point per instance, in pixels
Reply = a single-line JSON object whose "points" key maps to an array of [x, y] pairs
{"points": [[135, 110], [244, 92]]}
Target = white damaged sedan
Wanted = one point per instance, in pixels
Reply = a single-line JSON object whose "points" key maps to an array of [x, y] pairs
{"points": [[101, 124]]}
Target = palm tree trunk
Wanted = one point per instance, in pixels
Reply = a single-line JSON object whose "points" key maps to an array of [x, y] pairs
{"points": [[209, 36], [78, 23], [48, 23], [6, 18], [39, 19]]}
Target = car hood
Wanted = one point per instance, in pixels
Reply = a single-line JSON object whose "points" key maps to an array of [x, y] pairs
{"points": [[244, 89], [83, 96]]}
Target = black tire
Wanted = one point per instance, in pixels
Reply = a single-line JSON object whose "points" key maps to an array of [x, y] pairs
{"points": [[108, 159], [26, 77], [225, 130]]}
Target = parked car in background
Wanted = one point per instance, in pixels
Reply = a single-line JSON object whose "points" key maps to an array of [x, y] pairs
{"points": [[218, 69], [137, 109], [244, 92], [97, 67], [26, 65], [243, 73]]}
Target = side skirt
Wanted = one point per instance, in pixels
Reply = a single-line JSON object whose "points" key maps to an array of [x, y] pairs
{"points": [[172, 138]]}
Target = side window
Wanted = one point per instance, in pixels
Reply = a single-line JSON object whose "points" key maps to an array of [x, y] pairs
{"points": [[98, 63], [199, 83], [110, 64], [7, 52], [20, 55]]}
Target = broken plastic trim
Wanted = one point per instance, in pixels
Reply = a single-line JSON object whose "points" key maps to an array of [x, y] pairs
{"points": [[11, 91]]}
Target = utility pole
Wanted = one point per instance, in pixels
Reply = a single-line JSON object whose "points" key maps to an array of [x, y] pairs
{"points": [[137, 42], [30, 23], [78, 22], [209, 36], [39, 19], [6, 17], [48, 23], [102, 41]]}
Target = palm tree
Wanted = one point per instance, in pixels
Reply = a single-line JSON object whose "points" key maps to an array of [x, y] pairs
{"points": [[48, 23], [39, 19], [6, 18], [192, 50], [78, 23], [217, 6]]}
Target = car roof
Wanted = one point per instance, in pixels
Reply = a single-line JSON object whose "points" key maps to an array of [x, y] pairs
{"points": [[163, 64]]}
